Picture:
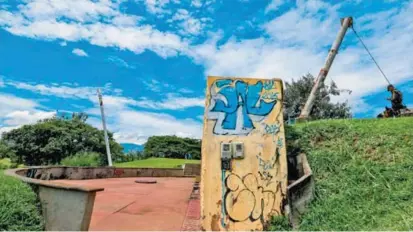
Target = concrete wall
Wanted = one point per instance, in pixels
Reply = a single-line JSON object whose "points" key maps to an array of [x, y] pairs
{"points": [[64, 207], [69, 207], [83, 173], [192, 169], [253, 189], [300, 192]]}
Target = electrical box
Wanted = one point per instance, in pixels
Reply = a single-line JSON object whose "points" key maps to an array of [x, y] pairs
{"points": [[226, 151], [238, 150]]}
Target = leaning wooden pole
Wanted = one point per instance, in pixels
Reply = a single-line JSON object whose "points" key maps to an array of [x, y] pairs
{"points": [[345, 24]]}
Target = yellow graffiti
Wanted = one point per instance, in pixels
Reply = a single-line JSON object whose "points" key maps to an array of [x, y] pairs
{"points": [[246, 199]]}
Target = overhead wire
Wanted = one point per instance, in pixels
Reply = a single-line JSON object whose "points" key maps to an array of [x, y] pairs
{"points": [[371, 56]]}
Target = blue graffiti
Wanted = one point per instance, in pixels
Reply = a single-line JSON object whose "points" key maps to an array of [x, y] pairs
{"points": [[244, 96], [268, 85], [272, 129], [280, 142]]}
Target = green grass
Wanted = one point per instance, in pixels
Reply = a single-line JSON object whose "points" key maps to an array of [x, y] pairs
{"points": [[156, 163], [363, 171], [19, 208], [83, 159]]}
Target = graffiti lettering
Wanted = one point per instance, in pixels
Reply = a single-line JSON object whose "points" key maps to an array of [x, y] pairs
{"points": [[241, 192], [268, 85], [235, 105], [269, 96], [271, 129], [118, 172]]}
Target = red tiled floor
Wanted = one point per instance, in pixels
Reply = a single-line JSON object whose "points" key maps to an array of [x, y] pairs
{"points": [[126, 205]]}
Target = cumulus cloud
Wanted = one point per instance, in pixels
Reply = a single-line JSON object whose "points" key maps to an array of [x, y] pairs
{"points": [[18, 111], [128, 124], [41, 19], [297, 42], [273, 6], [79, 52]]}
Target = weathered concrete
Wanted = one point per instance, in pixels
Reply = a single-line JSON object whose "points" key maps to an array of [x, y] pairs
{"points": [[66, 210], [128, 206], [64, 206], [85, 173], [301, 191], [192, 169], [69, 207], [243, 192]]}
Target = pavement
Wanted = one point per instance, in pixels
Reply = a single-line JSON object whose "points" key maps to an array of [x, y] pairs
{"points": [[171, 204]]}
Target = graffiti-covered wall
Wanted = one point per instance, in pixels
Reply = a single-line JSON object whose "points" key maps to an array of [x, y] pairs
{"points": [[242, 193]]}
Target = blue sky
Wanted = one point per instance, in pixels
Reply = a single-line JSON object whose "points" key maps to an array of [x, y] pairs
{"points": [[151, 57]]}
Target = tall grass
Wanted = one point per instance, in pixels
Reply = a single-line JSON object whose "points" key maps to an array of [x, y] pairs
{"points": [[363, 173], [19, 208], [83, 159]]}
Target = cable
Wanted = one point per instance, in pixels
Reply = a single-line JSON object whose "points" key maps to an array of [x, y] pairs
{"points": [[370, 54]]}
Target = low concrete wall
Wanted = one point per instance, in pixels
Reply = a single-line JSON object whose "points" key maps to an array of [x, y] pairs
{"points": [[84, 173], [301, 191], [69, 207], [192, 169], [64, 207]]}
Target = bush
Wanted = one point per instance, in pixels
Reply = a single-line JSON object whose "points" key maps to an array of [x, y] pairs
{"points": [[19, 207], [83, 159], [6, 163]]}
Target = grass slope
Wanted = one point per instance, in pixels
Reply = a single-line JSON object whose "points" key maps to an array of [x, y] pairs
{"points": [[363, 171], [19, 208], [156, 163]]}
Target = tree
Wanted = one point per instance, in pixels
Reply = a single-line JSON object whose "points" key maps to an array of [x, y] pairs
{"points": [[51, 140], [172, 147], [297, 92]]}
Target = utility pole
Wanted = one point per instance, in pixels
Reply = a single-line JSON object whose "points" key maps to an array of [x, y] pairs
{"points": [[345, 24], [104, 128]]}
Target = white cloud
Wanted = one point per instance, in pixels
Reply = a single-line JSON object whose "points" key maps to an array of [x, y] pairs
{"points": [[64, 91], [18, 111], [189, 25], [172, 102], [119, 62], [137, 126], [298, 43], [10, 103], [196, 3], [127, 123], [98, 22], [21, 117], [273, 5], [156, 6], [79, 52], [63, 44]]}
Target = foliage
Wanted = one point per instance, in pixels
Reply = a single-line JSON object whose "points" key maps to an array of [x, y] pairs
{"points": [[363, 174], [172, 147], [131, 156], [6, 151], [51, 140], [156, 163], [6, 163], [279, 223], [84, 159], [297, 92], [19, 208]]}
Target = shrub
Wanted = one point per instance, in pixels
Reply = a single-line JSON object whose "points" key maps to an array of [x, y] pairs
{"points": [[6, 163], [19, 207], [83, 159]]}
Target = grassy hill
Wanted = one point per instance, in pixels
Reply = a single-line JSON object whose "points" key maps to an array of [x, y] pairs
{"points": [[363, 171], [156, 163]]}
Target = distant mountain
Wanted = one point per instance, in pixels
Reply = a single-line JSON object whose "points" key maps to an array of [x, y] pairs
{"points": [[127, 147]]}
